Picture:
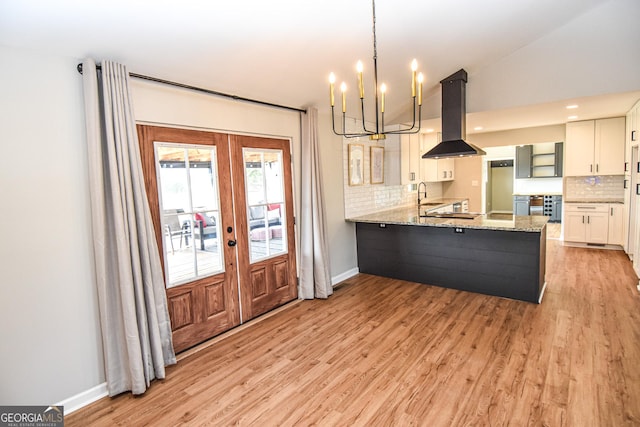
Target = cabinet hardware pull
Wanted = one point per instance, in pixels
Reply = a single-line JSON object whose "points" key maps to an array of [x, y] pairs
{"points": [[587, 219], [586, 207], [626, 166], [638, 189], [638, 167], [583, 219], [625, 184], [590, 168], [611, 211], [597, 167], [633, 135]]}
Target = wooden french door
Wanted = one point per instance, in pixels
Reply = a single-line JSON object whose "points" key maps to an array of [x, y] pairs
{"points": [[264, 217], [226, 238]]}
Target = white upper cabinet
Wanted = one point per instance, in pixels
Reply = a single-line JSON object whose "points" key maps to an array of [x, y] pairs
{"points": [[595, 147], [410, 159], [434, 170], [609, 154]]}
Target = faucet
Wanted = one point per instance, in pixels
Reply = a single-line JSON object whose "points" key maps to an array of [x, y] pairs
{"points": [[422, 184]]}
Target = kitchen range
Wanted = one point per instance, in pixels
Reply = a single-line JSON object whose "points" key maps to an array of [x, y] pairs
{"points": [[501, 255]]}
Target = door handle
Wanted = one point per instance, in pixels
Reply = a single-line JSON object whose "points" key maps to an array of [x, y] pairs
{"points": [[231, 243]]}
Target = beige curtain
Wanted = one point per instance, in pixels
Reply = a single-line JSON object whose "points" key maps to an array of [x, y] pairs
{"points": [[315, 280], [136, 331]]}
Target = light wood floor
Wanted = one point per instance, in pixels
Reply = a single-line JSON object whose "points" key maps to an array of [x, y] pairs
{"points": [[393, 353]]}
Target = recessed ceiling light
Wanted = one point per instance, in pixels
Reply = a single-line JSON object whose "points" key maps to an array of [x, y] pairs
{"points": [[571, 107], [478, 128], [572, 117], [428, 130]]}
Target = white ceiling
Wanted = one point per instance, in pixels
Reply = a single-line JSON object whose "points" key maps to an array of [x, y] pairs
{"points": [[526, 59]]}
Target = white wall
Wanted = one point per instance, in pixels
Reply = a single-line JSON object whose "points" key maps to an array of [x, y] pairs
{"points": [[341, 234], [49, 335], [51, 342]]}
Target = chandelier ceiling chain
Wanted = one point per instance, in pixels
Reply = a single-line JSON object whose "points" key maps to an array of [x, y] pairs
{"points": [[379, 132]]}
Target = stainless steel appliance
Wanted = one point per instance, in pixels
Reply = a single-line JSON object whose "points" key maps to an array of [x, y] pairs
{"points": [[536, 205]]}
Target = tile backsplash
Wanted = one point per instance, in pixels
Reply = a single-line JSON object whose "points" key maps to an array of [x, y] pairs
{"points": [[369, 198], [605, 187]]}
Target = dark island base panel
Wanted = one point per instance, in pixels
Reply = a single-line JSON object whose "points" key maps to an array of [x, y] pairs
{"points": [[508, 264]]}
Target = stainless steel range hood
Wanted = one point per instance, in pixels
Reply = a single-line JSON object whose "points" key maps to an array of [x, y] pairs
{"points": [[454, 123]]}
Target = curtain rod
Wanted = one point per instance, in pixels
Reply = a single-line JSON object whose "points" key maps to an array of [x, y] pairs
{"points": [[207, 91]]}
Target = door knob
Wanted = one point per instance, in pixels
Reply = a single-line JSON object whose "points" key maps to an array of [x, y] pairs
{"points": [[231, 243]]}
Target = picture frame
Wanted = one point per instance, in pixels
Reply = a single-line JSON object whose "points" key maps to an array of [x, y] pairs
{"points": [[356, 164], [377, 165]]}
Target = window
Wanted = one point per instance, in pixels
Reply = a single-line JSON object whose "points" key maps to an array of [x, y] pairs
{"points": [[190, 211]]}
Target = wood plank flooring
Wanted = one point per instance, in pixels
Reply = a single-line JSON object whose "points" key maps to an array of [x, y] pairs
{"points": [[394, 353]]}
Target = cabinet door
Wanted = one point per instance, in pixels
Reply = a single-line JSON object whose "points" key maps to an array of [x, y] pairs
{"points": [[520, 207], [409, 159], [575, 227], [609, 146], [558, 160], [428, 167], [556, 210], [445, 169], [579, 148], [597, 227], [616, 228], [523, 161]]}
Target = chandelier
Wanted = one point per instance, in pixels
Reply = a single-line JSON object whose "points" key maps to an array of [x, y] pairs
{"points": [[380, 93]]}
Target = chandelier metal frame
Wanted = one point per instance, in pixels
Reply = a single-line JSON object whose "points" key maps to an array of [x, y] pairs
{"points": [[379, 132]]}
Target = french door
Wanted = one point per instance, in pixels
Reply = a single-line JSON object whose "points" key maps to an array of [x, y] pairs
{"points": [[222, 209]]}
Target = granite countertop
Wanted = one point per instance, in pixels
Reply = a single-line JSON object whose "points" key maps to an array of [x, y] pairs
{"points": [[594, 201], [409, 216]]}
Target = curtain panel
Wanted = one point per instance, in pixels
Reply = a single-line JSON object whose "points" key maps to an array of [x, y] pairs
{"points": [[136, 330], [315, 280]]}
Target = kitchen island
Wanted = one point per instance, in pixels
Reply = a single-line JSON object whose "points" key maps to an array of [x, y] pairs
{"points": [[500, 255]]}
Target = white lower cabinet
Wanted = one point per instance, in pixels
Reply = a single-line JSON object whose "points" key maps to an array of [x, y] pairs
{"points": [[586, 223], [616, 224], [596, 223]]}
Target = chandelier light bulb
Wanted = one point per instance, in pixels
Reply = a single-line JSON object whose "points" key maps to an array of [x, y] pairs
{"points": [[332, 80], [359, 68], [383, 90], [414, 68], [343, 88], [420, 80]]}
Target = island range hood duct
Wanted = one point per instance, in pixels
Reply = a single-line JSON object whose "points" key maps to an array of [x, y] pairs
{"points": [[454, 125]]}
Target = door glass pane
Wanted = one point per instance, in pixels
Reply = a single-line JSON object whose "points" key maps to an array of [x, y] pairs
{"points": [[189, 202], [264, 181]]}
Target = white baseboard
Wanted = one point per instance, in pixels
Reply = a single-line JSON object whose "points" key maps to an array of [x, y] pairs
{"points": [[84, 398], [344, 276]]}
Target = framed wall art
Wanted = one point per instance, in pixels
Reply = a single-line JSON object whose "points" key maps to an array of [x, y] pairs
{"points": [[377, 165], [356, 164]]}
